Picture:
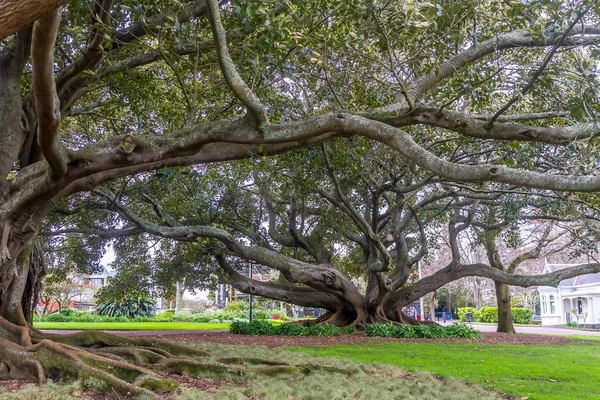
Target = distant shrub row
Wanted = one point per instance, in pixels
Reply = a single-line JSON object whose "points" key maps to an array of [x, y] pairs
{"points": [[490, 314], [373, 330], [432, 331], [233, 312], [270, 329]]}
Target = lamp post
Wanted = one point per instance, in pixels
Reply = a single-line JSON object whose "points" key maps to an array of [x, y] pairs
{"points": [[421, 299], [250, 276]]}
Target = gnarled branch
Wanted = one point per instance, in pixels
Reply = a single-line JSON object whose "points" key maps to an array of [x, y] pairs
{"points": [[238, 86], [44, 90]]}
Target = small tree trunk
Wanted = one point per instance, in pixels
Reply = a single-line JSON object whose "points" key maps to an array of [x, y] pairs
{"points": [[45, 310], [505, 317], [179, 296], [431, 302], [477, 293]]}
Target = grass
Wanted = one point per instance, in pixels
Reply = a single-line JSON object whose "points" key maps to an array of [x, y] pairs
{"points": [[132, 326], [534, 371], [367, 381], [582, 337]]}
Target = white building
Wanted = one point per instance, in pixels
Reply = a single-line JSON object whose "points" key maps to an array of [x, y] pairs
{"points": [[575, 300]]}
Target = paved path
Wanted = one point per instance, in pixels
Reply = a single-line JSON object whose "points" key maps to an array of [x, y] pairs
{"points": [[538, 329]]}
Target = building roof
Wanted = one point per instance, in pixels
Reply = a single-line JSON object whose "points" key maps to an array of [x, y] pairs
{"points": [[580, 280]]}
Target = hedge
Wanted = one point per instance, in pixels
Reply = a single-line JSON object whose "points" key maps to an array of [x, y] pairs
{"points": [[490, 314]]}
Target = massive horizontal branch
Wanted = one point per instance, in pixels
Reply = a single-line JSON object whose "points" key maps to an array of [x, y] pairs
{"points": [[473, 126], [299, 295], [96, 231], [454, 272], [44, 91], [230, 140], [15, 14], [238, 86]]}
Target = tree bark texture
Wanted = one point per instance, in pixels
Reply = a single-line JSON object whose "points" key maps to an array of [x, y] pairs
{"points": [[505, 317]]}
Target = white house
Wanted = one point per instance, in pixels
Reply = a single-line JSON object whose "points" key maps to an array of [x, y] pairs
{"points": [[574, 300]]}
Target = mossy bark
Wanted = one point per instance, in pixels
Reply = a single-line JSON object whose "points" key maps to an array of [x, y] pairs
{"points": [[106, 362]]}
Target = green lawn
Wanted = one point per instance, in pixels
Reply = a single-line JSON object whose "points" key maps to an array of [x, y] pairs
{"points": [[131, 326], [565, 372], [581, 337]]}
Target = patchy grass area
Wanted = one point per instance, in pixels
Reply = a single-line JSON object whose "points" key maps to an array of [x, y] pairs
{"points": [[564, 372], [132, 326], [581, 337], [321, 379]]}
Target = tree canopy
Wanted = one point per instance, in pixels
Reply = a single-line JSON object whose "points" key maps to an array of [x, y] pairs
{"points": [[403, 101]]}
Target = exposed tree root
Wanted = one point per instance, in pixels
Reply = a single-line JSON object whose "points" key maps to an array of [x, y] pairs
{"points": [[129, 367], [249, 360]]}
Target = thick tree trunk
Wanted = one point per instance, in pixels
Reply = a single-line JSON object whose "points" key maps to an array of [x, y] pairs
{"points": [[505, 317]]}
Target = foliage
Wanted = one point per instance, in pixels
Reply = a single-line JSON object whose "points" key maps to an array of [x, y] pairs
{"points": [[522, 315], [431, 331], [127, 306], [290, 329], [490, 314]]}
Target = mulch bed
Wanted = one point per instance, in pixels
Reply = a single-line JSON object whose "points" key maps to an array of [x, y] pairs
{"points": [[279, 341]]}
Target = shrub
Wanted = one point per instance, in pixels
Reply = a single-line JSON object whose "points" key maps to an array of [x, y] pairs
{"points": [[462, 331], [68, 311], [324, 330], [293, 330], [522, 315], [380, 330], [260, 327], [261, 314], [349, 330], [252, 328], [237, 309], [57, 318], [432, 331], [490, 314], [166, 316], [127, 307]]}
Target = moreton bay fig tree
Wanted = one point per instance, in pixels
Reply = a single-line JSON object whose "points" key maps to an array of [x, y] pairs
{"points": [[92, 91]]}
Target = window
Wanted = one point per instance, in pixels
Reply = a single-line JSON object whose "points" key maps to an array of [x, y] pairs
{"points": [[579, 306], [552, 308], [544, 305], [95, 282]]}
